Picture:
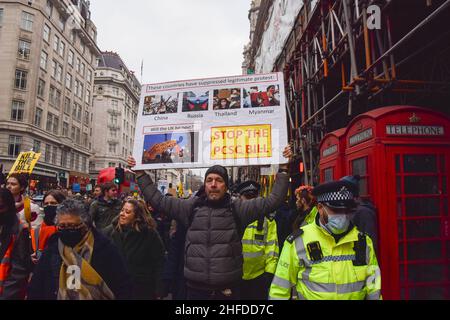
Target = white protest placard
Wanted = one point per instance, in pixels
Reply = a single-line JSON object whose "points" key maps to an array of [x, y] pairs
{"points": [[231, 121]]}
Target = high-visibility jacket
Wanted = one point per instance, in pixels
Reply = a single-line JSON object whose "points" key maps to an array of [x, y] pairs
{"points": [[40, 236], [5, 263], [260, 249], [310, 217], [330, 271]]}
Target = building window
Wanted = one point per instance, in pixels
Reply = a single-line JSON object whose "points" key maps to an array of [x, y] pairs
{"points": [[48, 150], [83, 164], [77, 161], [46, 34], [72, 37], [41, 88], [77, 65], [54, 154], [63, 162], [66, 105], [21, 79], [52, 123], [85, 140], [76, 112], [15, 144], [59, 72], [78, 135], [65, 129], [87, 97], [27, 21], [111, 164], [17, 110], [86, 117], [89, 76], [36, 146], [72, 159], [83, 48], [44, 57], [70, 58], [112, 148], [82, 69], [115, 91], [55, 97], [72, 134], [1, 16], [38, 117], [61, 23], [61, 49], [54, 67], [68, 81], [55, 43], [113, 133], [80, 93], [24, 49], [49, 8]]}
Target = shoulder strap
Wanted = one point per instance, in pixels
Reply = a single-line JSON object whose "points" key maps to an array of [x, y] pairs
{"points": [[37, 231], [294, 235], [360, 248]]}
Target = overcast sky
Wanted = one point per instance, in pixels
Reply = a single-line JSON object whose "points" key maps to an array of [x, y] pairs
{"points": [[177, 39]]}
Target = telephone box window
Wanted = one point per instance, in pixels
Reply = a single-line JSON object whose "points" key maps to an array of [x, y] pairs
{"points": [[422, 228], [427, 293], [328, 174], [359, 167], [426, 273], [422, 207], [421, 185], [399, 185], [443, 166], [424, 250], [420, 163]]}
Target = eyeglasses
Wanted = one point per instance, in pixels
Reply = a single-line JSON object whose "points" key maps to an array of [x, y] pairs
{"points": [[70, 226]]}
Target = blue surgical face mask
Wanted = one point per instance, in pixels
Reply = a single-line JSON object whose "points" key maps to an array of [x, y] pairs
{"points": [[337, 223]]}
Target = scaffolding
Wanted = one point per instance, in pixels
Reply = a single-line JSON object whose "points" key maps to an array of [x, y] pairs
{"points": [[345, 57]]}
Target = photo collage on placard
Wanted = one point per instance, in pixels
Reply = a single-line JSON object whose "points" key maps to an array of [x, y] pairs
{"points": [[222, 99]]}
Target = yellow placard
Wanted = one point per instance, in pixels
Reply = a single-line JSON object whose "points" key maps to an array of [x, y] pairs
{"points": [[25, 162], [238, 142]]}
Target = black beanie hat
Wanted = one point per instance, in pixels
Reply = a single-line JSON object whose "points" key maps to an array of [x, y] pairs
{"points": [[221, 171]]}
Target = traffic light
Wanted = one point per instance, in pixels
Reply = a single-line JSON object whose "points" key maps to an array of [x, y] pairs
{"points": [[120, 176]]}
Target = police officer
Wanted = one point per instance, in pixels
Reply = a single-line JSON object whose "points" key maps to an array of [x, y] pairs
{"points": [[260, 249], [330, 258]]}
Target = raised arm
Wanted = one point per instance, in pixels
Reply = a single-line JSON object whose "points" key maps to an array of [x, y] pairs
{"points": [[178, 209], [250, 210]]}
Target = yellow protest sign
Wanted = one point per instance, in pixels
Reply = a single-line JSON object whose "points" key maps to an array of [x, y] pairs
{"points": [[25, 162], [237, 142]]}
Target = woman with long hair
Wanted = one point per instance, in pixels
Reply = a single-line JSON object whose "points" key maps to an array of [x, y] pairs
{"points": [[134, 233], [15, 263]]}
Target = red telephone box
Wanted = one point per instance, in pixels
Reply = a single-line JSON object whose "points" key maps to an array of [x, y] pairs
{"points": [[332, 148], [402, 154]]}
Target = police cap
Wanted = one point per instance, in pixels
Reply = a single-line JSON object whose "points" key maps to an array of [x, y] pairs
{"points": [[336, 194], [248, 187]]}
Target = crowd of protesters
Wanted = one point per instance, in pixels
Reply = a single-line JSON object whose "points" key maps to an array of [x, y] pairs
{"points": [[222, 242]]}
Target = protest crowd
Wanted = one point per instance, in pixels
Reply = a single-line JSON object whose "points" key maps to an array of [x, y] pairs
{"points": [[222, 243]]}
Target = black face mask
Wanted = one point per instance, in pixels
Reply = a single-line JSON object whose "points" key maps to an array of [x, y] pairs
{"points": [[49, 215], [71, 237]]}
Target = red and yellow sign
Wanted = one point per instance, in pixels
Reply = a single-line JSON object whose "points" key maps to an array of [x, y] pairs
{"points": [[237, 142]]}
